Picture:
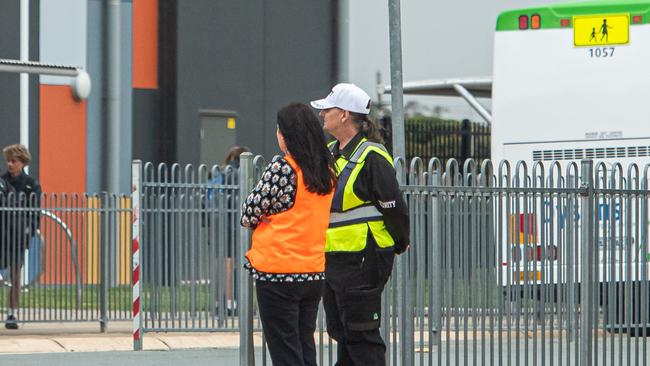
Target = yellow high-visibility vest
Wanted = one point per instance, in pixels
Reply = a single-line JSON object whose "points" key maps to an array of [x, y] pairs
{"points": [[351, 218]]}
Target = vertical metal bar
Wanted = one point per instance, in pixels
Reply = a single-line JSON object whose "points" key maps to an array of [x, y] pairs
{"points": [[456, 265], [321, 329], [103, 259], [191, 201], [112, 250], [136, 211], [644, 223], [176, 258], [435, 257], [405, 282], [4, 248], [465, 271], [246, 347], [502, 261], [421, 266], [165, 203], [447, 292], [396, 79], [476, 316], [112, 97], [24, 78], [215, 225], [540, 275], [586, 247], [432, 279], [571, 263]]}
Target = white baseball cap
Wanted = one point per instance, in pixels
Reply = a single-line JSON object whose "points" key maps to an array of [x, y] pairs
{"points": [[348, 97]]}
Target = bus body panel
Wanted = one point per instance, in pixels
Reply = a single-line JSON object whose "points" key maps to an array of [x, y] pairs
{"points": [[548, 92], [554, 101]]}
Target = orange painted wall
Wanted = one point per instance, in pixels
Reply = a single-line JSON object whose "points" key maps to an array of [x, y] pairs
{"points": [[62, 170], [145, 44], [62, 140]]}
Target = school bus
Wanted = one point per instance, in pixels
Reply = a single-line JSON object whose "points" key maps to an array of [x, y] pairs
{"points": [[570, 82]]}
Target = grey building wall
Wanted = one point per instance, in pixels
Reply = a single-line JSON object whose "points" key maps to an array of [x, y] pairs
{"points": [[10, 83], [146, 127], [251, 57]]}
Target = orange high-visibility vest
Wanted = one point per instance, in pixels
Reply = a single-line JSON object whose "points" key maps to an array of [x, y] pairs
{"points": [[294, 240]]}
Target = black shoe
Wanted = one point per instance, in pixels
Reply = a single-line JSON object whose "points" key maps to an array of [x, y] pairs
{"points": [[232, 310], [11, 323]]}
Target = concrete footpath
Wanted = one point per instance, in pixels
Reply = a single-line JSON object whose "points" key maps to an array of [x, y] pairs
{"points": [[86, 337]]}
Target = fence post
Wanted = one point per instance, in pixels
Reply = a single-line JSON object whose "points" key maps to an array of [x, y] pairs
{"points": [[586, 270], [465, 140], [103, 264], [136, 212], [405, 286], [435, 307], [245, 301]]}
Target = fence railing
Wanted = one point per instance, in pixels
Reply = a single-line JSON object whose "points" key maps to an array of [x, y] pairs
{"points": [[508, 264], [429, 137], [514, 264], [76, 263], [189, 227], [501, 254]]}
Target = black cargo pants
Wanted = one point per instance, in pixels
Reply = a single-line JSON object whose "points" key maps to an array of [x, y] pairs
{"points": [[352, 301]]}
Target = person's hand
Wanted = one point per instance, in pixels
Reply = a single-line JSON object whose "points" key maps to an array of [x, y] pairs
{"points": [[399, 249]]}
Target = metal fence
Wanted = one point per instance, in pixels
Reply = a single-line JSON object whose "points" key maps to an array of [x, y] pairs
{"points": [[77, 261], [189, 227], [543, 264], [526, 265], [429, 137]]}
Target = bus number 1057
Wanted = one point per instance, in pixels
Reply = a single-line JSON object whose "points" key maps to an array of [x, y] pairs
{"points": [[599, 52]]}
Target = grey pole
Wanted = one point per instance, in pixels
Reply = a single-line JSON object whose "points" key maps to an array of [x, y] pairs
{"points": [[399, 151], [24, 78], [343, 41], [112, 96], [586, 248], [104, 263], [396, 79], [246, 346]]}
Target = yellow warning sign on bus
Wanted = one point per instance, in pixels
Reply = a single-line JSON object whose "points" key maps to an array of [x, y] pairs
{"points": [[231, 123], [598, 30]]}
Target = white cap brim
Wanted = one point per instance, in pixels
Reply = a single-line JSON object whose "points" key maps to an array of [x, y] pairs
{"points": [[321, 104]]}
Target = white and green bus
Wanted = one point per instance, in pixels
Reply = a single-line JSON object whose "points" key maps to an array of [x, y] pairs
{"points": [[571, 81]]}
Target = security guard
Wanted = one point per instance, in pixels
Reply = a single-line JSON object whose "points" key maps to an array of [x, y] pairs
{"points": [[368, 225]]}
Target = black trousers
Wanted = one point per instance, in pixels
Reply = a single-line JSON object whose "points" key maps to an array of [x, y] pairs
{"points": [[354, 282], [288, 311]]}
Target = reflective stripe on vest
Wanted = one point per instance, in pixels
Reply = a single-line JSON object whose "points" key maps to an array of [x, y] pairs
{"points": [[355, 216], [351, 218]]}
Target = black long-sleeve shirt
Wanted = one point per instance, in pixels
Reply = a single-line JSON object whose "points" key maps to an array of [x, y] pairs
{"points": [[378, 184], [29, 221]]}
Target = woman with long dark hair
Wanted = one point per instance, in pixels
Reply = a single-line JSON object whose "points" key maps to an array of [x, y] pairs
{"points": [[289, 211]]}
